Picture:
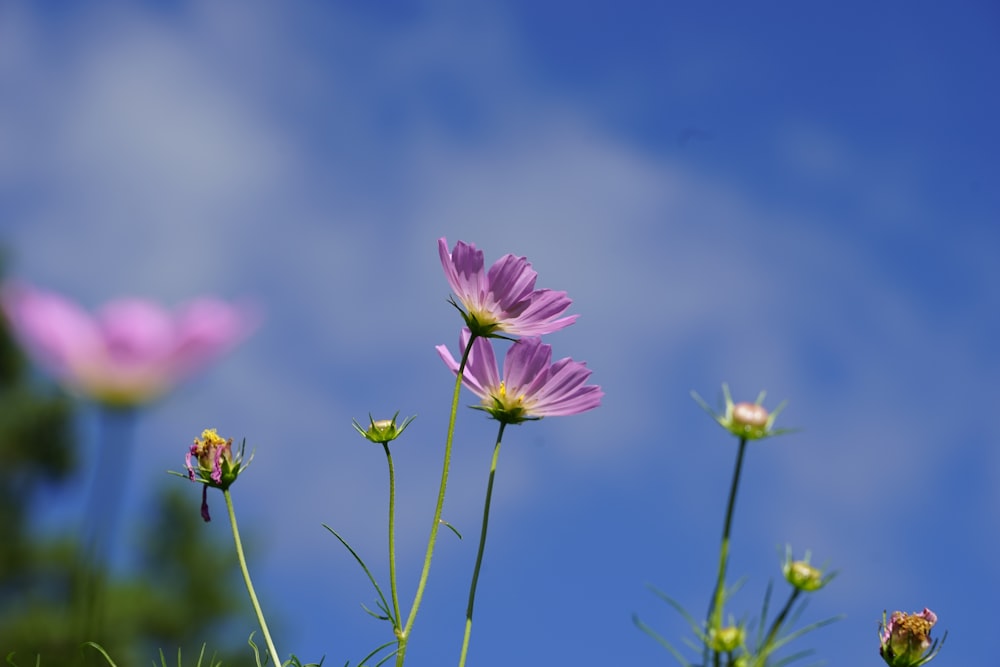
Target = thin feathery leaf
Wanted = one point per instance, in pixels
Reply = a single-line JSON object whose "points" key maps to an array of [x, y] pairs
{"points": [[371, 577], [763, 612], [735, 588], [385, 659], [801, 631], [101, 650], [704, 406], [378, 650], [450, 527], [661, 641], [792, 658], [256, 651], [10, 660], [373, 614], [696, 626]]}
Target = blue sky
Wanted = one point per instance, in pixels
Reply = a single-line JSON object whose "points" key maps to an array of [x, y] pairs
{"points": [[788, 197]]}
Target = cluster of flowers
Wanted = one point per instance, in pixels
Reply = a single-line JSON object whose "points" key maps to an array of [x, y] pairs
{"points": [[504, 303], [133, 351]]}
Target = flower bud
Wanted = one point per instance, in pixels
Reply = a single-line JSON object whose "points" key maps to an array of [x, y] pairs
{"points": [[802, 575], [727, 639], [750, 421], [382, 431], [750, 415], [747, 420]]}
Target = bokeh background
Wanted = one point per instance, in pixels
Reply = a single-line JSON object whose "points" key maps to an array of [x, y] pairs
{"points": [[787, 196]]}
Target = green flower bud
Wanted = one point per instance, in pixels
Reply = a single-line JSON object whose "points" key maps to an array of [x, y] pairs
{"points": [[382, 431], [802, 575], [727, 639]]}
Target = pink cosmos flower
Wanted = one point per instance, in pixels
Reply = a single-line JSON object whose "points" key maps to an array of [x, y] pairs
{"points": [[130, 352], [504, 300], [532, 386]]}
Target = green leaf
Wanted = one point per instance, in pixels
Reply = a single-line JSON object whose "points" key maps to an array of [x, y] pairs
{"points": [[101, 650], [371, 577]]}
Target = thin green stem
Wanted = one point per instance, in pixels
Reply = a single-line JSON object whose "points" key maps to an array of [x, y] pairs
{"points": [[482, 548], [403, 636], [392, 538], [273, 652], [778, 620], [717, 603]]}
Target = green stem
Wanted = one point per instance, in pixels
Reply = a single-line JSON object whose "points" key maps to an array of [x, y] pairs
{"points": [[482, 547], [403, 636], [717, 603], [779, 619], [246, 579], [392, 538]]}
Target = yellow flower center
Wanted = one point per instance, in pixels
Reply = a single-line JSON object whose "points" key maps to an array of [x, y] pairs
{"points": [[211, 437]]}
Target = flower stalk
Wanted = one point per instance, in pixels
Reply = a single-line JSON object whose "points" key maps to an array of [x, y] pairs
{"points": [[403, 636], [393, 588], [718, 598], [482, 547], [272, 651]]}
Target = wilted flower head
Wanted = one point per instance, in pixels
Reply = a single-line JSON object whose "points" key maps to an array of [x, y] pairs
{"points": [[384, 430], [210, 461], [802, 575], [905, 641], [745, 420], [132, 350], [504, 300], [532, 386]]}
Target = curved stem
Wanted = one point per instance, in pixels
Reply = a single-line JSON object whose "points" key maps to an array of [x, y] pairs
{"points": [[716, 605], [246, 579], [392, 538], [403, 636], [482, 548]]}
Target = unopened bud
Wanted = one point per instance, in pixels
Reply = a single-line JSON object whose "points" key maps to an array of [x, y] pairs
{"points": [[382, 431]]}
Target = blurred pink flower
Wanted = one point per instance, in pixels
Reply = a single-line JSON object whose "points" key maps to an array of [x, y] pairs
{"points": [[132, 350]]}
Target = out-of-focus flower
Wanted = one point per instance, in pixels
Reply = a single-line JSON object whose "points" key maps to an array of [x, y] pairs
{"points": [[503, 301], [802, 575], [383, 431], [745, 420], [532, 386], [130, 352], [210, 461], [905, 641]]}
